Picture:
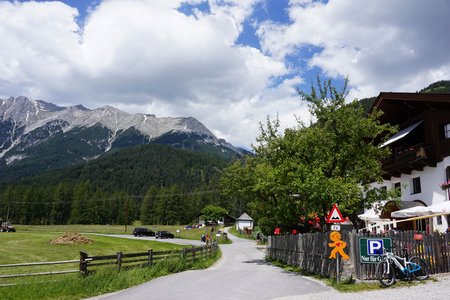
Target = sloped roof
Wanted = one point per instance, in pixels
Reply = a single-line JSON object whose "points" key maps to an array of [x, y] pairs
{"points": [[244, 217], [392, 206], [399, 108]]}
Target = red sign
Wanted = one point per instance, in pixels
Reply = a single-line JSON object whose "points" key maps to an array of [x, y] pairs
{"points": [[335, 215]]}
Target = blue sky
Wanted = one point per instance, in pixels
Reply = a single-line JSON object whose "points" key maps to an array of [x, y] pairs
{"points": [[228, 63]]}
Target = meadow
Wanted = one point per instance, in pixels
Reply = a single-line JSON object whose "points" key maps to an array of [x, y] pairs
{"points": [[178, 230], [33, 244]]}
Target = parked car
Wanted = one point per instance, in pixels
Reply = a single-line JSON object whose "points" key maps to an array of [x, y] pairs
{"points": [[140, 231], [164, 235], [7, 227]]}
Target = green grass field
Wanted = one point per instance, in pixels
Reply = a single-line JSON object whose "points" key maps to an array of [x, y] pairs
{"points": [[190, 234], [32, 244]]}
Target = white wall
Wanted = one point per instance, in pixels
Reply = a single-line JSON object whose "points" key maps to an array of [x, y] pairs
{"points": [[242, 224], [430, 180]]}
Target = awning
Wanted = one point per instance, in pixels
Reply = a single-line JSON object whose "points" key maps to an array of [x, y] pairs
{"points": [[401, 134], [394, 206]]}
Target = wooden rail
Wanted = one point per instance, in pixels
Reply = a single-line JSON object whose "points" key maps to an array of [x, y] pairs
{"points": [[311, 252], [86, 263]]}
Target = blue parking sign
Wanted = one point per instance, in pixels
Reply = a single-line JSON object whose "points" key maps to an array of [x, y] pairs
{"points": [[370, 249], [375, 247]]}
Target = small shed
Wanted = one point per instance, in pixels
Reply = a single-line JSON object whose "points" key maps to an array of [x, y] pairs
{"points": [[244, 221]]}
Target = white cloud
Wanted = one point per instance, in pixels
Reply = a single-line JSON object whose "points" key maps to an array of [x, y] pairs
{"points": [[137, 55], [147, 56], [380, 45], [37, 46]]}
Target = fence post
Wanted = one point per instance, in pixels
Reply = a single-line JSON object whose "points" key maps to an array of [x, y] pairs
{"points": [[193, 252], [83, 262], [119, 260], [150, 257]]}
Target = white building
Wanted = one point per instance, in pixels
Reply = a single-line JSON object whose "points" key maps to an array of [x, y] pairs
{"points": [[244, 221], [420, 160]]}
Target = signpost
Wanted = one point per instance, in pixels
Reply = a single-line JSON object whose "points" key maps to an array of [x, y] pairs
{"points": [[333, 217]]}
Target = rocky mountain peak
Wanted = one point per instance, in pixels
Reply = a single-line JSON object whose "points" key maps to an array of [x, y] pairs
{"points": [[26, 124]]}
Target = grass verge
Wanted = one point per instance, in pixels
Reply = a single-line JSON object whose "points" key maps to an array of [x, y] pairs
{"points": [[101, 282], [345, 286]]}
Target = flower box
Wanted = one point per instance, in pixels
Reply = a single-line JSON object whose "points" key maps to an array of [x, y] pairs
{"points": [[445, 185]]}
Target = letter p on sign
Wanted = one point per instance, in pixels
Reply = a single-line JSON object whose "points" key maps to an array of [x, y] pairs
{"points": [[374, 247]]}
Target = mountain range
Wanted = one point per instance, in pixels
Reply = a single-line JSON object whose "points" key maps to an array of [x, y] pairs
{"points": [[37, 136]]}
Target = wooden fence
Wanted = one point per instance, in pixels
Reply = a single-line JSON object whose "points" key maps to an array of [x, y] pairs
{"points": [[311, 252], [433, 248], [88, 263]]}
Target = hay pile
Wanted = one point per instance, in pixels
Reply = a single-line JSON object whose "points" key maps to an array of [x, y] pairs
{"points": [[71, 238]]}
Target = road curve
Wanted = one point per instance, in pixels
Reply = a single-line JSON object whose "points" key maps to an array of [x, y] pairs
{"points": [[241, 273]]}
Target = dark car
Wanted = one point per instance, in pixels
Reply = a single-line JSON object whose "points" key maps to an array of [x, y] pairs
{"points": [[164, 235], [7, 227], [143, 232]]}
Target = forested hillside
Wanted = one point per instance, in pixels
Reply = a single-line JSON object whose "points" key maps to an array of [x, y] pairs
{"points": [[170, 185], [439, 87]]}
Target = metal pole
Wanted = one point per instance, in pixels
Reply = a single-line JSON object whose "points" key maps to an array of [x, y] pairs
{"points": [[337, 268]]}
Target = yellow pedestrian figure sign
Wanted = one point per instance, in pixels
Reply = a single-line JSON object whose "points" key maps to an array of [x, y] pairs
{"points": [[338, 245]]}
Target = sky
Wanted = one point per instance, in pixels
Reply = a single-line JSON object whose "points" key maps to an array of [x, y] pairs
{"points": [[228, 63]]}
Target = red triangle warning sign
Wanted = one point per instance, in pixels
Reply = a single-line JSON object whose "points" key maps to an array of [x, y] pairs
{"points": [[335, 215]]}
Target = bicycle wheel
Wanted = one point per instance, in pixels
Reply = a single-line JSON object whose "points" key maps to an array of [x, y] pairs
{"points": [[385, 273], [423, 271]]}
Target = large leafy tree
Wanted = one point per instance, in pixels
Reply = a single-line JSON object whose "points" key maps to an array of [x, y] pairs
{"points": [[300, 174], [213, 213]]}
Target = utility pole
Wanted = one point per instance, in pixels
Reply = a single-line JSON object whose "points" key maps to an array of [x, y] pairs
{"points": [[126, 214]]}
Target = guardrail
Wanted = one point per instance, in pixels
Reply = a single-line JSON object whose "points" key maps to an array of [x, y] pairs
{"points": [[86, 262]]}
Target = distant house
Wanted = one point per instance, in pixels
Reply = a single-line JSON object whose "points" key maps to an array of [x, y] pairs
{"points": [[228, 220], [420, 156], [244, 221]]}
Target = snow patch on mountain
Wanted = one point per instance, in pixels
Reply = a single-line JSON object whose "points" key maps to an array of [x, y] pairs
{"points": [[29, 115]]}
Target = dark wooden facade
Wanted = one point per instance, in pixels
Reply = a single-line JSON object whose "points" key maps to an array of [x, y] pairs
{"points": [[426, 144]]}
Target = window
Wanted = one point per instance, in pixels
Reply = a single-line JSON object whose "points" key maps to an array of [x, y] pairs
{"points": [[439, 220], [416, 189], [447, 173], [447, 131], [398, 186]]}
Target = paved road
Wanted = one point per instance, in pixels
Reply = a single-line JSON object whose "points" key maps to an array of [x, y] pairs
{"points": [[241, 273], [150, 238]]}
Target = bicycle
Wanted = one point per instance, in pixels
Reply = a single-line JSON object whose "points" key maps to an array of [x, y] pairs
{"points": [[392, 265]]}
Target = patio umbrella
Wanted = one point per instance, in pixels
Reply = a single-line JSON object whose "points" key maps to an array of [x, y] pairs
{"points": [[419, 211], [369, 216], [443, 207], [373, 219], [410, 212]]}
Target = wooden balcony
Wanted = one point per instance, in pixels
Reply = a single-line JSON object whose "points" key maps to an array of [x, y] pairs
{"points": [[404, 160]]}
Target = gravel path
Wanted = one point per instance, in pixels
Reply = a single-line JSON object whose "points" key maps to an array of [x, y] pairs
{"points": [[431, 290]]}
